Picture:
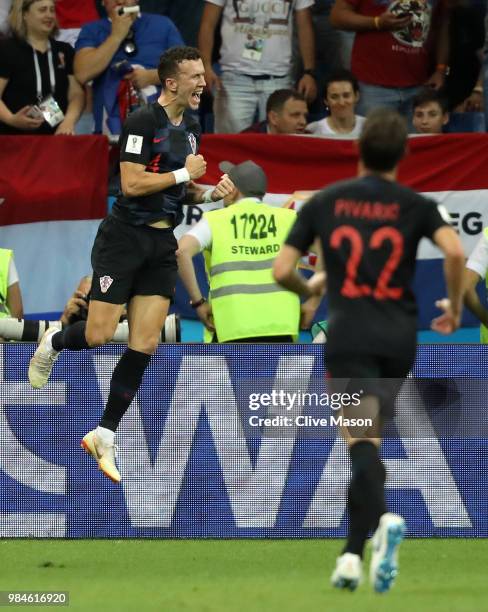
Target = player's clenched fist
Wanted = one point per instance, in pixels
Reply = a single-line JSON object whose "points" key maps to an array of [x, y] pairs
{"points": [[196, 166]]}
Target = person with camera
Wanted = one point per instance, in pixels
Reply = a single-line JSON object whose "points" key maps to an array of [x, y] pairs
{"points": [[38, 92], [120, 54], [134, 253]]}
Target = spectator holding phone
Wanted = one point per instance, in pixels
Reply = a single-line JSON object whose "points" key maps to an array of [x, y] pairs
{"points": [[120, 54], [391, 53], [38, 92]]}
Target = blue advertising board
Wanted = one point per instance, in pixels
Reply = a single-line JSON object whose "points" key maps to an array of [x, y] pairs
{"points": [[193, 464]]}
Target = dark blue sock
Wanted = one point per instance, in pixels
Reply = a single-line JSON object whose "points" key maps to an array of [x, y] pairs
{"points": [[366, 496], [71, 337], [126, 380]]}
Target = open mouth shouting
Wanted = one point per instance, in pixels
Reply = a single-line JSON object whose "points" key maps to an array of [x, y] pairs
{"points": [[195, 97]]}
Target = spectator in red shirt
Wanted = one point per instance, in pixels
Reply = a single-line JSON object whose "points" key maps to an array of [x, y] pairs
{"points": [[390, 56]]}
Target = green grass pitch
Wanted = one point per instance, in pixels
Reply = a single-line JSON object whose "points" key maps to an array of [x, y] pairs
{"points": [[241, 575]]}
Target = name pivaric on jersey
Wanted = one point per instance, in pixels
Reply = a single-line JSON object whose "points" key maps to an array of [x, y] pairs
{"points": [[369, 229], [149, 138]]}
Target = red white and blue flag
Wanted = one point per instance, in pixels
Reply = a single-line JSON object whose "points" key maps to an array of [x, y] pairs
{"points": [[53, 193]]}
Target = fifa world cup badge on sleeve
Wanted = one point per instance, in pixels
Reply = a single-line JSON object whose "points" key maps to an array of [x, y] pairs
{"points": [[134, 144]]}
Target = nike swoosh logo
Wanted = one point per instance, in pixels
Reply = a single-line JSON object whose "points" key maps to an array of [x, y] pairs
{"points": [[159, 139]]}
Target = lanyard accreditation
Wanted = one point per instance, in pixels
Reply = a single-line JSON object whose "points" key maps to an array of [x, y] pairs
{"points": [[52, 75]]}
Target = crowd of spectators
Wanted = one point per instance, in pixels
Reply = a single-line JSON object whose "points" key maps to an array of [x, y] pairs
{"points": [[276, 67]]}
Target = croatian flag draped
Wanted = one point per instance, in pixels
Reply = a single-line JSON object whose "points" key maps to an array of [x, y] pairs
{"points": [[54, 193]]}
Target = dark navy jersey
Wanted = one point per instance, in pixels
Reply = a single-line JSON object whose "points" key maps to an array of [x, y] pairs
{"points": [[149, 138], [369, 229]]}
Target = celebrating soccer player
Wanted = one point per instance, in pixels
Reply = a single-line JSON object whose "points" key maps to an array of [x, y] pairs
{"points": [[133, 256]]}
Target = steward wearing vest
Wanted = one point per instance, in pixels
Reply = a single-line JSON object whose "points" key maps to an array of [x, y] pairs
{"points": [[10, 296], [475, 271], [240, 243]]}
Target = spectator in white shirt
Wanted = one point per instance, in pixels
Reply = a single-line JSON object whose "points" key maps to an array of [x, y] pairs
{"points": [[255, 56], [340, 98]]}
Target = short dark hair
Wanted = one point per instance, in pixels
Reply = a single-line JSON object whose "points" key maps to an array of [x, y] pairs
{"points": [[168, 62], [342, 75], [427, 95], [383, 140], [280, 97]]}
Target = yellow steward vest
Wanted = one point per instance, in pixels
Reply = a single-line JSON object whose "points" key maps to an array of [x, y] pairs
{"points": [[5, 257], [246, 301]]}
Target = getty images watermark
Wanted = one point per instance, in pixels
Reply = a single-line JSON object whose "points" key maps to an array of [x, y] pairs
{"points": [[293, 403], [453, 407]]}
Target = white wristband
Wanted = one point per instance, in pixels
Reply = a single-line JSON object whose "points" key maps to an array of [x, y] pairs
{"points": [[207, 196], [182, 176]]}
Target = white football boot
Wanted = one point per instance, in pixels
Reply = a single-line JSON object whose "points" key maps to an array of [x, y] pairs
{"points": [[348, 573], [42, 361], [104, 454], [384, 560]]}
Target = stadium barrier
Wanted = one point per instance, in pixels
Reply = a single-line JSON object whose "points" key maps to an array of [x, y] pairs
{"points": [[32, 331], [193, 465]]}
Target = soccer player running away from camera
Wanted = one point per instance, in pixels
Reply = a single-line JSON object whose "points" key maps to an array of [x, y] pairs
{"points": [[133, 256], [369, 229]]}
